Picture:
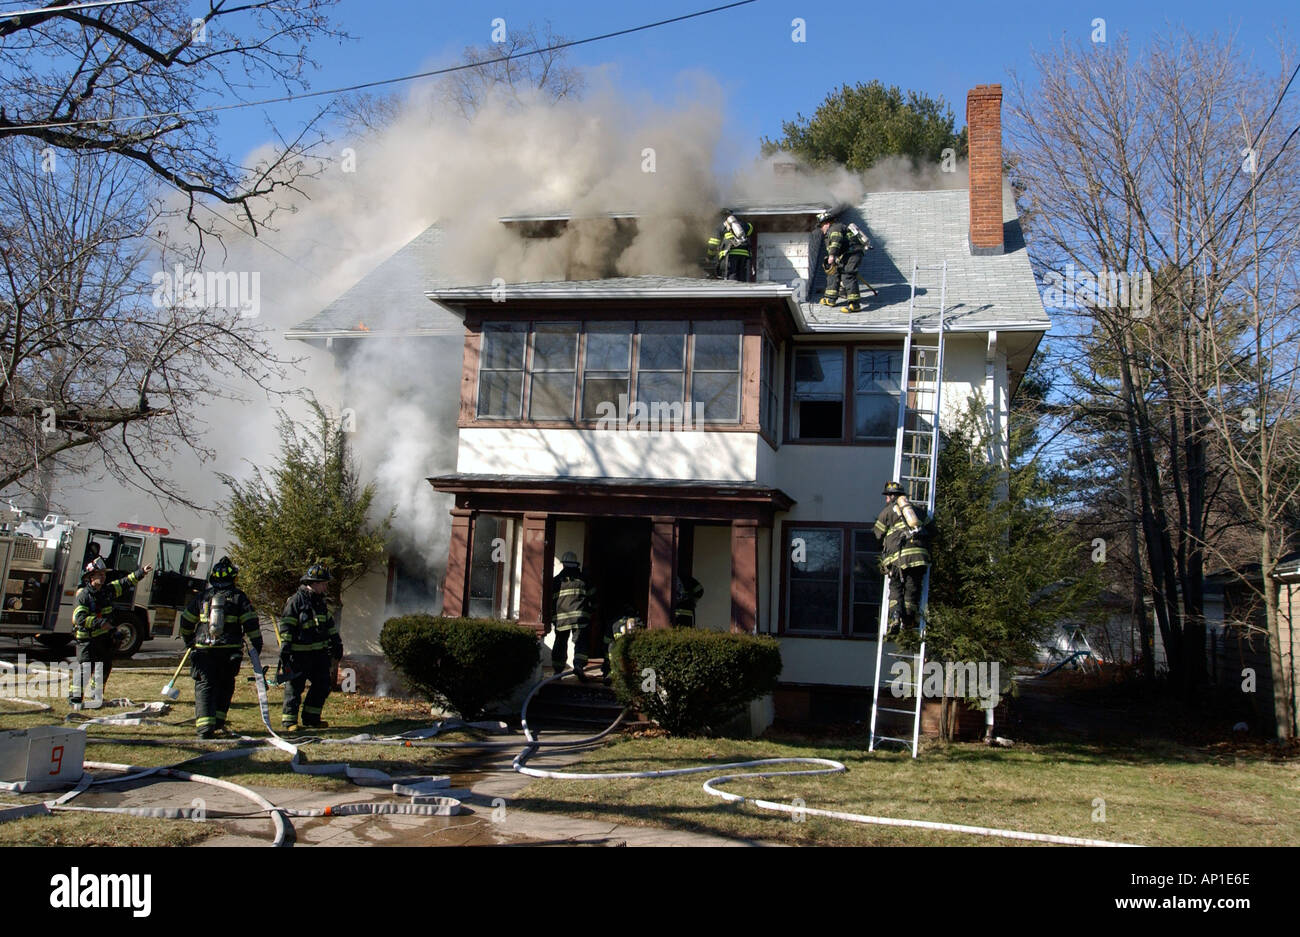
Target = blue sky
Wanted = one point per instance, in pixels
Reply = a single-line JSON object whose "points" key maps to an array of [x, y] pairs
{"points": [[941, 48]]}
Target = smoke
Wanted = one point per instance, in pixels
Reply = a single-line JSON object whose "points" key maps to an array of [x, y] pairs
{"points": [[586, 158]]}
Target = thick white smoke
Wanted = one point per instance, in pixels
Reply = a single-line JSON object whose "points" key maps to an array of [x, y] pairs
{"points": [[604, 153]]}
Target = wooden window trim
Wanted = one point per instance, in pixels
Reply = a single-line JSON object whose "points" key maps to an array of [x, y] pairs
{"points": [[850, 350], [846, 529]]}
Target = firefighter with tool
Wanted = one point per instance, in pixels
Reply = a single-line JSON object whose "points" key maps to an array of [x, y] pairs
{"points": [[214, 627], [92, 627], [687, 595], [573, 600], [903, 555], [310, 647], [729, 248], [844, 245]]}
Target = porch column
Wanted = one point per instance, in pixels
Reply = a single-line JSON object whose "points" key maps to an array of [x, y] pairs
{"points": [[455, 590], [663, 564], [535, 575], [744, 576]]}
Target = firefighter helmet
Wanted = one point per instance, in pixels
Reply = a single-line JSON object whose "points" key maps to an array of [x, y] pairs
{"points": [[825, 216], [223, 571], [570, 559], [316, 573], [96, 566], [893, 488]]}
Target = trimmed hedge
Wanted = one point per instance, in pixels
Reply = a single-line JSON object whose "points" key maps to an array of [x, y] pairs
{"points": [[700, 678], [463, 663]]}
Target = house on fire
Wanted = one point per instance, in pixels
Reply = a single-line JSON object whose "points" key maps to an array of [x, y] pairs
{"points": [[661, 427]]}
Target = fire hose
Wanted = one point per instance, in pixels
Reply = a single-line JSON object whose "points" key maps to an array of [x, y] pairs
{"points": [[427, 803]]}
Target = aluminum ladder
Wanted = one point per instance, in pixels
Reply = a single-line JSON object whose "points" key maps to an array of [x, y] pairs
{"points": [[916, 458]]}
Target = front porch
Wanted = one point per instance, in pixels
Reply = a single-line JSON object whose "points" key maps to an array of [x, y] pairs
{"points": [[634, 537]]}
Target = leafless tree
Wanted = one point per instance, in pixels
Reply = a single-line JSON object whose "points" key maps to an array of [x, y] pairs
{"points": [[1143, 164], [101, 368], [530, 66], [133, 80]]}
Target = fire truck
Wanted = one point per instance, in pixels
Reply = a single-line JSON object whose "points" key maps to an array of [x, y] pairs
{"points": [[41, 566]]}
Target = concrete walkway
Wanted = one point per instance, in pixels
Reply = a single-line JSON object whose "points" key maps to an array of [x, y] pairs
{"points": [[487, 817]]}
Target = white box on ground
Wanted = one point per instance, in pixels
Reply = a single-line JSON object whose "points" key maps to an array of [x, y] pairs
{"points": [[42, 758]]}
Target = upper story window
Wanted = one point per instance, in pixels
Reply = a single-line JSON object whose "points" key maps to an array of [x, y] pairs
{"points": [[715, 372], [554, 371], [818, 401], [501, 371], [839, 387], [607, 366], [877, 375], [585, 372]]}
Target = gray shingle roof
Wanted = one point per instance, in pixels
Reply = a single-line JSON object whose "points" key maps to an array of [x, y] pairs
{"points": [[930, 228], [927, 227], [611, 287], [391, 297]]}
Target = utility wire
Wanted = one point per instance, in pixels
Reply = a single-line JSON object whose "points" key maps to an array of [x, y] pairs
{"points": [[386, 81], [71, 6]]}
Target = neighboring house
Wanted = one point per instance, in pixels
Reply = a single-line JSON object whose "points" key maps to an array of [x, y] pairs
{"points": [[1237, 643], [767, 492]]}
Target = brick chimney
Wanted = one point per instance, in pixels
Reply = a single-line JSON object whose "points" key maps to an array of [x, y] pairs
{"points": [[984, 140]]}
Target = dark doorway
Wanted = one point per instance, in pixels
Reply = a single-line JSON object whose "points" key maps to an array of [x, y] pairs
{"points": [[619, 551]]}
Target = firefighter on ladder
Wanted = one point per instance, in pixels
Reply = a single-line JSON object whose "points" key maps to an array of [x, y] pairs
{"points": [[844, 245], [729, 248], [214, 627], [902, 530], [310, 646], [92, 626]]}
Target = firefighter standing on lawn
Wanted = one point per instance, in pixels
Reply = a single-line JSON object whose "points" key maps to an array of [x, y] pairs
{"points": [[574, 601], [214, 627], [92, 627], [844, 245], [902, 530], [729, 248], [309, 647]]}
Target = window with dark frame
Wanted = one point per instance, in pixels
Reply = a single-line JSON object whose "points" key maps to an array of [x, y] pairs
{"points": [[823, 585], [817, 409], [649, 361], [607, 367], [867, 586], [501, 371], [715, 372], [877, 377], [816, 564], [661, 363], [554, 371]]}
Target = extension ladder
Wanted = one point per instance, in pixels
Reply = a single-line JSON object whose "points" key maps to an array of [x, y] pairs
{"points": [[916, 457]]}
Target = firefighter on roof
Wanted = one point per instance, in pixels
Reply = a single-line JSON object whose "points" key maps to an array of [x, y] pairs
{"points": [[309, 647], [729, 248], [903, 530], [214, 627], [573, 600], [844, 244], [92, 626]]}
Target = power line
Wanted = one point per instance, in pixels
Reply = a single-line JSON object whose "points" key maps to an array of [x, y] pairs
{"points": [[386, 81], [63, 9]]}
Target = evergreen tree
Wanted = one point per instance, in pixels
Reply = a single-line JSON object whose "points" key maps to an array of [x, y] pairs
{"points": [[857, 126], [311, 509], [1007, 568]]}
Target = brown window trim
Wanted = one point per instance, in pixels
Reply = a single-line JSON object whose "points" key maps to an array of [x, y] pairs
{"points": [[846, 529], [850, 395], [469, 417]]}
